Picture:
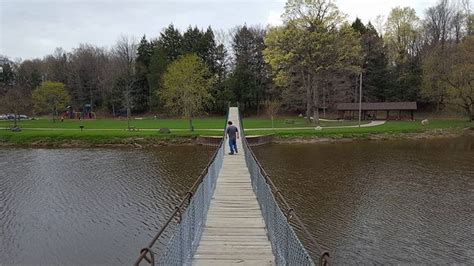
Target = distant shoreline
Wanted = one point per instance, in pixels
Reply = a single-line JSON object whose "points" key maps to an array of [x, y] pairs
{"points": [[429, 134], [153, 142]]}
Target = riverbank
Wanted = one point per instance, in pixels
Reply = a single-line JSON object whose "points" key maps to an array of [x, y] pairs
{"points": [[110, 133], [91, 141], [427, 134], [60, 139]]}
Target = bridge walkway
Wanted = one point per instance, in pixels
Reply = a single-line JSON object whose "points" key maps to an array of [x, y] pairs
{"points": [[235, 231]]}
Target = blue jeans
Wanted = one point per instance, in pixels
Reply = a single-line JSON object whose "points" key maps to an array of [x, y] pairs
{"points": [[232, 145]]}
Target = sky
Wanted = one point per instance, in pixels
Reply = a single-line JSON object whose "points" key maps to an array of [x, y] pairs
{"points": [[34, 28]]}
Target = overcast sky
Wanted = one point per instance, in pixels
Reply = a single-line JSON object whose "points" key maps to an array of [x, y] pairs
{"points": [[34, 28]]}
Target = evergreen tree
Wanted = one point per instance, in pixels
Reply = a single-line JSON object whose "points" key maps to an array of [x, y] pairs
{"points": [[142, 92], [192, 41], [166, 49], [221, 92], [7, 75], [250, 76], [201, 43], [359, 26], [376, 75]]}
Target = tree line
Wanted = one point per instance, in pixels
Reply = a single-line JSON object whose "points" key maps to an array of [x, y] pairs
{"points": [[311, 62]]}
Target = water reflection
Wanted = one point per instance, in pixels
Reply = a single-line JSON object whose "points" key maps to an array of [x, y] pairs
{"points": [[89, 206], [382, 202]]}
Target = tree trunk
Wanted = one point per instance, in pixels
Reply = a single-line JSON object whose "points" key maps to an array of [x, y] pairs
{"points": [[258, 106], [309, 105], [315, 105], [128, 117], [54, 113], [470, 111], [324, 102], [191, 126]]}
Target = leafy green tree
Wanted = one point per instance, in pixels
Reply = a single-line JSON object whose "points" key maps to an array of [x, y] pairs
{"points": [[50, 96], [402, 34], [459, 76], [187, 86], [314, 43], [434, 66], [403, 37]]}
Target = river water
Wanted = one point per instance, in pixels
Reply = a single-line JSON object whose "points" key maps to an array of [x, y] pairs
{"points": [[89, 206], [382, 202]]}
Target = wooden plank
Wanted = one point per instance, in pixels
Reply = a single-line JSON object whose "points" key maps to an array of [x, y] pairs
{"points": [[235, 230], [212, 262]]}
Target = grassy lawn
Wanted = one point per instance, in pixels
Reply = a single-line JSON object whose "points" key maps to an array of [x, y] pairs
{"points": [[388, 127], [208, 123], [113, 130], [150, 123], [94, 136]]}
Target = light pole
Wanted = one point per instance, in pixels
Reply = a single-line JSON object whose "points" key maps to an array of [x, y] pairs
{"points": [[360, 97]]}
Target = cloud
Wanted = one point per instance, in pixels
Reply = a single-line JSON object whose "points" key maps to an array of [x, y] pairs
{"points": [[34, 28], [368, 10], [274, 18]]}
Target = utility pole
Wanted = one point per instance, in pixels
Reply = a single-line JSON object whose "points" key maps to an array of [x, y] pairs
{"points": [[360, 97]]}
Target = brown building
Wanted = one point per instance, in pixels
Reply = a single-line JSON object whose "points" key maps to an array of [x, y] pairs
{"points": [[371, 110]]}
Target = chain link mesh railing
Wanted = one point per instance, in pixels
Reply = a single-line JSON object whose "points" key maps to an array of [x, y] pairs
{"points": [[286, 245], [191, 215], [184, 242]]}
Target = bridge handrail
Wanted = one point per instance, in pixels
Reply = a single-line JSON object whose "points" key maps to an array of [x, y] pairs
{"points": [[181, 213], [283, 256]]}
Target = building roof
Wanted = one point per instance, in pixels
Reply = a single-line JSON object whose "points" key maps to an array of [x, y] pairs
{"points": [[384, 106]]}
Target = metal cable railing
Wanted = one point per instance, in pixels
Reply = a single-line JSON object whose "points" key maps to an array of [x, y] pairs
{"points": [[190, 214], [286, 245]]}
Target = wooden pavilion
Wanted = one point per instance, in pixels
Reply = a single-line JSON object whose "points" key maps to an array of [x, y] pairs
{"points": [[370, 110]]}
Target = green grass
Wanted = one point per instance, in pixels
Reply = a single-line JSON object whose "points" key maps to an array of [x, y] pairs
{"points": [[150, 123], [93, 136], [292, 122], [390, 127], [113, 130], [207, 123]]}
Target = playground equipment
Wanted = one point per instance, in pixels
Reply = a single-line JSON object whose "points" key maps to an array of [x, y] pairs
{"points": [[85, 114], [70, 112]]}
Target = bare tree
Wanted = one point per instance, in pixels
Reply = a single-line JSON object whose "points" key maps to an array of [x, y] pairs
{"points": [[379, 23], [15, 101], [125, 53], [272, 108], [86, 67]]}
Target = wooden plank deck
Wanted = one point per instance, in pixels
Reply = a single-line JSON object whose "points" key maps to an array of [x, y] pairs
{"points": [[235, 230]]}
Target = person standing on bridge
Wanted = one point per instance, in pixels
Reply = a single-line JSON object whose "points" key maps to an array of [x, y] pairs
{"points": [[233, 135]]}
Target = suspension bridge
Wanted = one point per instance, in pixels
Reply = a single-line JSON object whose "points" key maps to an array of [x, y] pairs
{"points": [[233, 214]]}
